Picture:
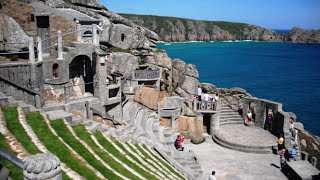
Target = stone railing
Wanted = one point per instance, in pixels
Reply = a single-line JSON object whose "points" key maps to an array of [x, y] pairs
{"points": [[147, 74], [30, 166], [170, 107], [204, 106]]}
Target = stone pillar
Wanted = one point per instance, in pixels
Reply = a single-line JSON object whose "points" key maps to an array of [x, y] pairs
{"points": [[78, 32], [39, 49], [102, 75], [89, 111], [59, 46], [31, 50], [197, 136], [214, 123], [314, 161], [42, 166], [94, 35]]}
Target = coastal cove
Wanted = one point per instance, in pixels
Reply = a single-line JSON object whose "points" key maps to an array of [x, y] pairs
{"points": [[287, 73]]}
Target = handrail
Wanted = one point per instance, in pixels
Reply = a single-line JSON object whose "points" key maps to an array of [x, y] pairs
{"points": [[19, 86], [14, 160], [15, 52], [14, 42], [68, 33]]}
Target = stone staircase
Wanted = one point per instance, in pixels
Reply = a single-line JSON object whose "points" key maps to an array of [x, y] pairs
{"points": [[229, 116]]}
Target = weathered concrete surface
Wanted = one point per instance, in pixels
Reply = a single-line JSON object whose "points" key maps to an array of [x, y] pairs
{"points": [[231, 165]]}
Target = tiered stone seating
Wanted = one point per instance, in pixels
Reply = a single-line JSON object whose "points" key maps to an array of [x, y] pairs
{"points": [[229, 116]]}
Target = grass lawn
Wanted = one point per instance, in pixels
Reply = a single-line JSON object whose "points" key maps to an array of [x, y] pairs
{"points": [[109, 147], [83, 134], [11, 117], [16, 173], [66, 135], [164, 163], [55, 146]]}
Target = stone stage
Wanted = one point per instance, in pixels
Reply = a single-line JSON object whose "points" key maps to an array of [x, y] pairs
{"points": [[244, 138]]}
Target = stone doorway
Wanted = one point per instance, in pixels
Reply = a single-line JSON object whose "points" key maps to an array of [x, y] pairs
{"points": [[43, 31], [206, 123], [81, 67]]}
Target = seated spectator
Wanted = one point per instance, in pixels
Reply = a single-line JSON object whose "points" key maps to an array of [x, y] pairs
{"points": [[177, 143], [293, 153]]}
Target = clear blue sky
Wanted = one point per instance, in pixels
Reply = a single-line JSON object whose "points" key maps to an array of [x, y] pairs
{"points": [[273, 14]]}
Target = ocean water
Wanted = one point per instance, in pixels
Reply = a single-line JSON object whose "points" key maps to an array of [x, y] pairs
{"points": [[283, 72]]}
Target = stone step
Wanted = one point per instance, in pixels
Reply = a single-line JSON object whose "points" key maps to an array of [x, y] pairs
{"points": [[53, 107], [76, 120], [27, 108], [230, 122], [59, 114], [249, 149], [229, 116], [94, 127]]}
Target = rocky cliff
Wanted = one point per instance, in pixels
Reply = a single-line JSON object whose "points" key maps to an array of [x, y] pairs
{"points": [[179, 29], [298, 35], [171, 29]]}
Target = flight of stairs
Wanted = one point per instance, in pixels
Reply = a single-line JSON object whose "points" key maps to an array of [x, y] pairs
{"points": [[229, 116]]}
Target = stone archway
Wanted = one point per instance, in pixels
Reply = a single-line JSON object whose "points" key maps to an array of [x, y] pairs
{"points": [[81, 66]]}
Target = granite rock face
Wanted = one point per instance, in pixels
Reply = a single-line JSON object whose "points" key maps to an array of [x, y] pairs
{"points": [[185, 77], [298, 35], [149, 97], [11, 32], [125, 63]]}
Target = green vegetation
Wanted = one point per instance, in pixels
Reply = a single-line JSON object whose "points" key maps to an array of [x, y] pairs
{"points": [[16, 173], [66, 135], [146, 156], [55, 146], [115, 49], [142, 60], [166, 23], [111, 149], [12, 120], [164, 163], [83, 134]]}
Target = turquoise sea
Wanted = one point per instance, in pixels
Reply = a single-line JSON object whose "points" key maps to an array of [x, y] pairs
{"points": [[283, 72]]}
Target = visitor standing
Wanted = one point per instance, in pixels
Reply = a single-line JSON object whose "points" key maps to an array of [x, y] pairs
{"points": [[199, 93], [212, 177], [205, 98], [269, 121], [281, 142], [249, 116], [282, 157]]}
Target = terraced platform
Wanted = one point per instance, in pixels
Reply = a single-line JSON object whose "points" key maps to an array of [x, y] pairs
{"points": [[247, 139]]}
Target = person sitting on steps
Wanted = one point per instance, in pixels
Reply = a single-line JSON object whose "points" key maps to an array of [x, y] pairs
{"points": [[178, 142]]}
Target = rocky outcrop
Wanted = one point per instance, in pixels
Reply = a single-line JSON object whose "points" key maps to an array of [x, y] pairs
{"points": [[11, 32], [179, 29], [125, 63], [185, 78], [149, 97], [298, 35]]}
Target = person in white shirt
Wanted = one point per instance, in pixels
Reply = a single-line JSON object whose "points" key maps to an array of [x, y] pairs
{"points": [[249, 115], [212, 177], [199, 93]]}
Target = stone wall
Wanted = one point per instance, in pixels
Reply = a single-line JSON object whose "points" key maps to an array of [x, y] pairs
{"points": [[23, 81], [259, 108]]}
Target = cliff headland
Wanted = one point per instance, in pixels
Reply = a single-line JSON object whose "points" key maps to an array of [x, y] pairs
{"points": [[172, 29]]}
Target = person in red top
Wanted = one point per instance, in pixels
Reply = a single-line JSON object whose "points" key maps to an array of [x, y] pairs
{"points": [[178, 142]]}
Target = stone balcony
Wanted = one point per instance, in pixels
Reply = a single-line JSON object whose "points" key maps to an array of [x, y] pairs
{"points": [[146, 75], [205, 106], [113, 94]]}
